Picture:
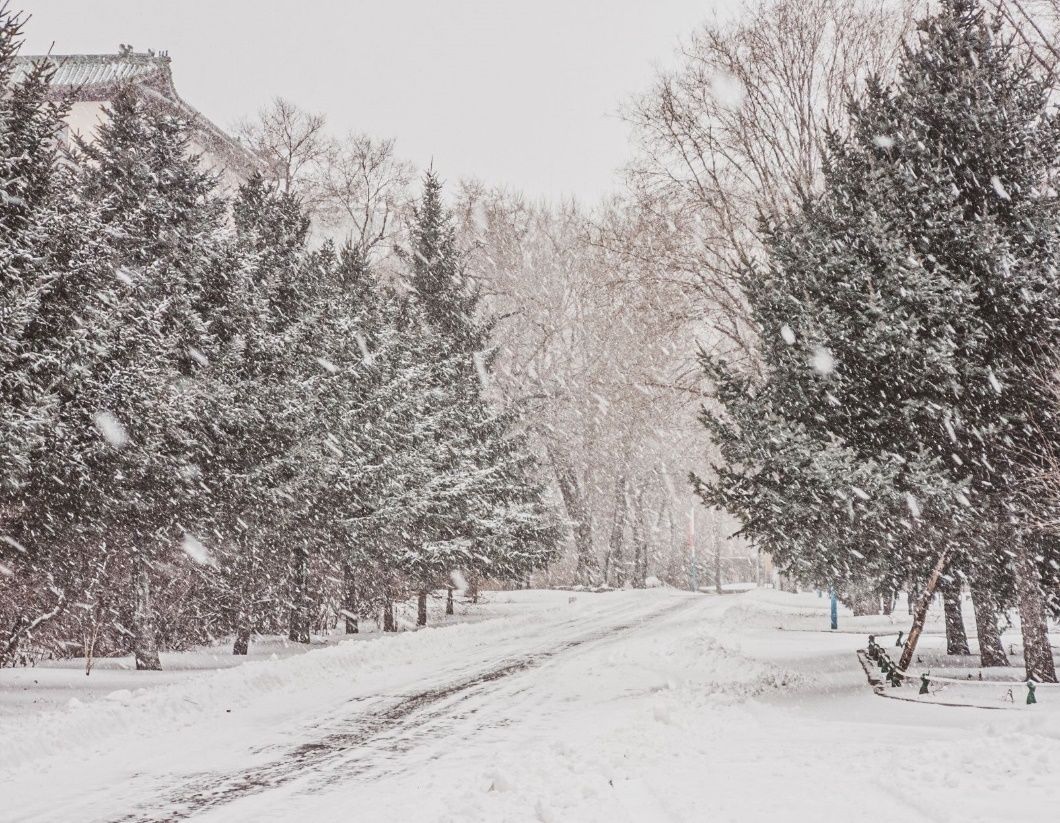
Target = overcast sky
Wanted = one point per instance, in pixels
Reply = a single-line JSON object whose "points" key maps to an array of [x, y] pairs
{"points": [[516, 92]]}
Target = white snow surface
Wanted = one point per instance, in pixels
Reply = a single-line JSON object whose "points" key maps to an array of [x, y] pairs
{"points": [[649, 705]]}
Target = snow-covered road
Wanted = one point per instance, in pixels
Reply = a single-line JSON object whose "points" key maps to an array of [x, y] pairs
{"points": [[626, 706]]}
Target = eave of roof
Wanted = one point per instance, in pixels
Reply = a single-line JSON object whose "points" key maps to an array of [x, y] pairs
{"points": [[98, 77], [77, 70]]}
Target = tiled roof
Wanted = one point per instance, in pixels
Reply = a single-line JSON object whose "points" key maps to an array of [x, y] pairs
{"points": [[75, 70], [99, 77]]}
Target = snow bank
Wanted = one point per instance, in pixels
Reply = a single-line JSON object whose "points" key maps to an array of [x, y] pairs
{"points": [[168, 700]]}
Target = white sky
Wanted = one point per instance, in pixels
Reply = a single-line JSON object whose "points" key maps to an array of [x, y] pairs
{"points": [[521, 93]]}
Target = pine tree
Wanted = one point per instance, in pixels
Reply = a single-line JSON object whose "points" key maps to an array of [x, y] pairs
{"points": [[35, 580], [139, 413], [487, 514], [255, 307], [903, 314]]}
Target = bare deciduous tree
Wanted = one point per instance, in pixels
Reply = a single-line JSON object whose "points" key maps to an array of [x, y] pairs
{"points": [[364, 190], [736, 134], [291, 142], [591, 350]]}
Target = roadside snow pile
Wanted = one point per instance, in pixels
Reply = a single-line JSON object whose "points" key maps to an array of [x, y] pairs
{"points": [[268, 691], [708, 667], [294, 681]]}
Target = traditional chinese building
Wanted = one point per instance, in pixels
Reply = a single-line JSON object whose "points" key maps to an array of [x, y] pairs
{"points": [[91, 81]]}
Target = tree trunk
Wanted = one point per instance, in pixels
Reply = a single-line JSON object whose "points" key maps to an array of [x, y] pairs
{"points": [[991, 652], [145, 645], [449, 600], [717, 552], [921, 610], [471, 593], [1037, 655], [349, 596], [578, 512], [299, 615], [242, 644], [421, 608], [640, 542], [956, 638], [389, 624], [615, 572]]}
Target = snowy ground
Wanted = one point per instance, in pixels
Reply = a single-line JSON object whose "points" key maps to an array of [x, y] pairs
{"points": [[620, 706]]}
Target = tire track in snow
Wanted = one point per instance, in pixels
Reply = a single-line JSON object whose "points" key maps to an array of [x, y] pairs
{"points": [[389, 730]]}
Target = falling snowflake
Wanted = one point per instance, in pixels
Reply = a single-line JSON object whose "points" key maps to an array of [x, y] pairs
{"points": [[194, 549], [327, 365], [727, 90], [480, 367], [111, 429], [883, 141], [822, 361], [362, 344], [995, 181], [787, 334], [14, 544]]}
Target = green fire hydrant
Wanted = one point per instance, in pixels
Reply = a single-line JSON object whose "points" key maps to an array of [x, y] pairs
{"points": [[1030, 693], [923, 684]]}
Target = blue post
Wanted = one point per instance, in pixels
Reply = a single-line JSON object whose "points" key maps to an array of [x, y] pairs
{"points": [[834, 610]]}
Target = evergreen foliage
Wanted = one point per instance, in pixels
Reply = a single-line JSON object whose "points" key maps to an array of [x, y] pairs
{"points": [[212, 427], [906, 315]]}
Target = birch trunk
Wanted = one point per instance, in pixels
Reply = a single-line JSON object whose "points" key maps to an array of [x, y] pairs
{"points": [[578, 512]]}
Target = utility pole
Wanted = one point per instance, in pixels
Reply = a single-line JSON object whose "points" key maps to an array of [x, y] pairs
{"points": [[834, 608]]}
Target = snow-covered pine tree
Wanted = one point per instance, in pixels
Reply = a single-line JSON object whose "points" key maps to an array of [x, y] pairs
{"points": [[489, 516], [138, 419], [384, 474], [256, 311], [902, 314], [974, 120], [35, 584]]}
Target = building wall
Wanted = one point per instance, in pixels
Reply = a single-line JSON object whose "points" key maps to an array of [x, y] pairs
{"points": [[85, 117]]}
